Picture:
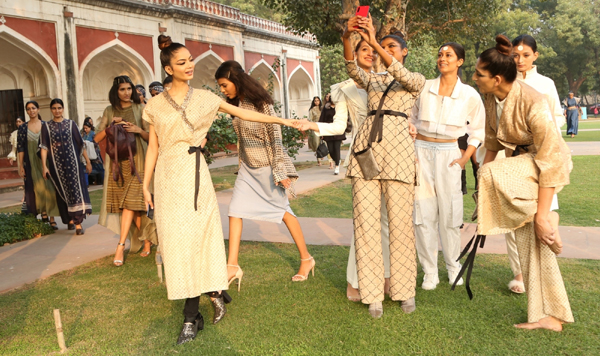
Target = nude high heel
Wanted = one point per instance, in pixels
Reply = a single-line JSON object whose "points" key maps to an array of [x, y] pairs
{"points": [[302, 278], [238, 275]]}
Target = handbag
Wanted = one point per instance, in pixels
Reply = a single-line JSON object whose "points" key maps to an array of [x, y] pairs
{"points": [[90, 150], [322, 150], [365, 158], [121, 146]]}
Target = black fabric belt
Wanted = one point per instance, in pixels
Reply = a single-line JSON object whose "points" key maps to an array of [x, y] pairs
{"points": [[469, 262], [520, 149], [387, 112], [198, 151]]}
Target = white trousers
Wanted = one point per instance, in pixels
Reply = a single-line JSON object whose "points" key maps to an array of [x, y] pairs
{"points": [[438, 212], [351, 271]]}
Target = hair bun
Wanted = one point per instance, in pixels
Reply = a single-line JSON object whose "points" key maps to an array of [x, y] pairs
{"points": [[503, 45], [164, 42], [395, 32]]}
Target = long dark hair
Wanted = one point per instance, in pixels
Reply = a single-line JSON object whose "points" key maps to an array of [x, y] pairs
{"points": [[246, 86], [34, 103], [113, 94], [527, 40], [312, 105], [499, 60]]}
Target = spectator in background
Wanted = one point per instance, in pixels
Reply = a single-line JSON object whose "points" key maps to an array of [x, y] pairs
{"points": [[314, 113], [334, 143], [12, 156], [141, 93], [88, 134], [167, 82], [572, 114], [155, 88]]}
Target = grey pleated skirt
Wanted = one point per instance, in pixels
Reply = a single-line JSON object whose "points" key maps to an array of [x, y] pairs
{"points": [[256, 197]]}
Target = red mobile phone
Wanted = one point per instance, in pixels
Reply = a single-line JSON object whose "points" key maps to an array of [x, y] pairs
{"points": [[362, 11]]}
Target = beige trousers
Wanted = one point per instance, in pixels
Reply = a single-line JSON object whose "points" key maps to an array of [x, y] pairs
{"points": [[351, 271], [507, 202], [366, 201]]}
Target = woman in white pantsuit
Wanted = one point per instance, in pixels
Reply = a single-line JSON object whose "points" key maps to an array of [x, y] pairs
{"points": [[445, 111]]}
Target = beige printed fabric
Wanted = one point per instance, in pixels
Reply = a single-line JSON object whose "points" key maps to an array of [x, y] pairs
{"points": [[546, 293], [395, 154], [366, 200], [260, 145], [191, 241]]}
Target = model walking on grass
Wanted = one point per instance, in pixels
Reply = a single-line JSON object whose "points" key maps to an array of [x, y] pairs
{"points": [[266, 171], [186, 210]]}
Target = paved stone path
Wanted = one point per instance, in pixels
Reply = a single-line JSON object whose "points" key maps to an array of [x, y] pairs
{"points": [[26, 261]]}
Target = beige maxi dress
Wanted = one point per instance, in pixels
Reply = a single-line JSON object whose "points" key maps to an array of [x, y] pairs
{"points": [[191, 240]]}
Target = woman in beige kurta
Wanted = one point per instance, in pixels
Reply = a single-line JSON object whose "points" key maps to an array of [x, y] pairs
{"points": [[186, 210], [515, 193]]}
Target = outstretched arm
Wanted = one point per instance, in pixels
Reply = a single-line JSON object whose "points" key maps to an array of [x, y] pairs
{"points": [[254, 116], [151, 157]]}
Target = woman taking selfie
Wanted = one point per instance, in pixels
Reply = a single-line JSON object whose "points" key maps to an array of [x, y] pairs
{"points": [[383, 163], [445, 111], [187, 218], [351, 99], [40, 195], [61, 151], [515, 193], [123, 209], [266, 171]]}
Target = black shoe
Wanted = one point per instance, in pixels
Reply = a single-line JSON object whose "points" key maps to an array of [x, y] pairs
{"points": [[70, 226], [218, 303], [190, 330], [79, 231], [53, 224]]}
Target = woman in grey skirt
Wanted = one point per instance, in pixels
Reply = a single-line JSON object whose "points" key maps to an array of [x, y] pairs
{"points": [[266, 171]]}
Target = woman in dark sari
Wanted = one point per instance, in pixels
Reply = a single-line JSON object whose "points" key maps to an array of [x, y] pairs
{"points": [[40, 196], [61, 148]]}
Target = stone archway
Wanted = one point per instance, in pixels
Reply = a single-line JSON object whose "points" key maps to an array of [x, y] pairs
{"points": [[204, 72], [100, 69], [261, 72], [301, 89], [25, 66]]}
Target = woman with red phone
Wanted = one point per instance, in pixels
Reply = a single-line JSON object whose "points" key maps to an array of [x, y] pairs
{"points": [[391, 96]]}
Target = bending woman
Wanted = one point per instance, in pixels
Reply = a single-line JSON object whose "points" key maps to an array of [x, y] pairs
{"points": [[123, 210], [266, 170], [445, 111], [351, 99], [393, 152], [187, 218], [525, 54], [515, 193]]}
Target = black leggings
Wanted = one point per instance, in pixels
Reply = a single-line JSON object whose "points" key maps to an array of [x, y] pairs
{"points": [[334, 150]]}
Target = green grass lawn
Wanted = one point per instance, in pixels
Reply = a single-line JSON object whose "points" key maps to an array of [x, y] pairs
{"points": [[222, 178], [582, 136], [591, 123], [124, 311], [576, 201]]}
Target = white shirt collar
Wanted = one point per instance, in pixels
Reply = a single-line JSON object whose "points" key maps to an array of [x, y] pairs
{"points": [[530, 73], [435, 87]]}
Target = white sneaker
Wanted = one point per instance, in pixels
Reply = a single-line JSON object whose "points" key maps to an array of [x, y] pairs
{"points": [[452, 277], [337, 170], [430, 281]]}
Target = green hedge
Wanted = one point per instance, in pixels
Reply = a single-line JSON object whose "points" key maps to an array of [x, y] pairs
{"points": [[18, 227]]}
